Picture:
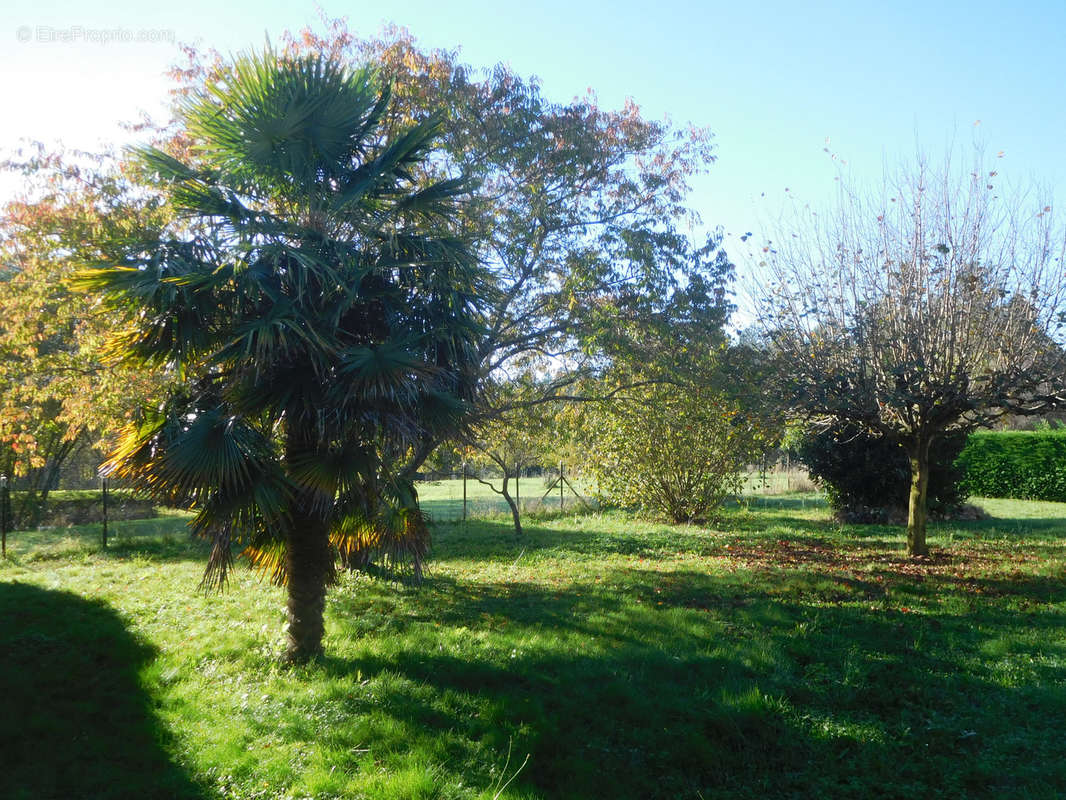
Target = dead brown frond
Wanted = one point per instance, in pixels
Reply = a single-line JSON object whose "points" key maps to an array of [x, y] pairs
{"points": [[398, 540], [220, 562], [268, 560]]}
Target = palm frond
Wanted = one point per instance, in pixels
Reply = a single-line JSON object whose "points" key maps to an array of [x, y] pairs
{"points": [[163, 165], [389, 371], [268, 559], [334, 470], [220, 562], [377, 178], [193, 454], [256, 518], [434, 200], [286, 124], [396, 536]]}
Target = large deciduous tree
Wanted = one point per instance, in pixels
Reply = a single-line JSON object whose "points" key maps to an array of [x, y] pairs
{"points": [[580, 216], [56, 394], [931, 307], [321, 311]]}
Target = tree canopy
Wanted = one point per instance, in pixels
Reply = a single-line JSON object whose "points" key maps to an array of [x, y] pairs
{"points": [[580, 214], [931, 307], [56, 393]]}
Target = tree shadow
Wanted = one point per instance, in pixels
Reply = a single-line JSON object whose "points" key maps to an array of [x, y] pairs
{"points": [[164, 538], [494, 540], [183, 546], [650, 685], [768, 536], [76, 722], [488, 540]]}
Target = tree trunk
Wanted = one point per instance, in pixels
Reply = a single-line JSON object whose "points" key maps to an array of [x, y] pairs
{"points": [[917, 512], [309, 566], [308, 569], [503, 491], [56, 461], [515, 514]]}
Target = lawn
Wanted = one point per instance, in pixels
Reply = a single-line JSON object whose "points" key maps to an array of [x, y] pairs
{"points": [[775, 654]]}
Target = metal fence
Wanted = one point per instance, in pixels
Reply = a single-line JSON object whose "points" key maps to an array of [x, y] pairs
{"points": [[455, 496]]}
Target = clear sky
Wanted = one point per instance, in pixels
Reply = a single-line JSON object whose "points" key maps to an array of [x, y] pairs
{"points": [[772, 80]]}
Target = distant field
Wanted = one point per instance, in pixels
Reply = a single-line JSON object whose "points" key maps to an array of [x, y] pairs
{"points": [[776, 655], [443, 500]]}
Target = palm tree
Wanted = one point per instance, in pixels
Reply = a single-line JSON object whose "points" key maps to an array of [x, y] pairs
{"points": [[317, 315]]}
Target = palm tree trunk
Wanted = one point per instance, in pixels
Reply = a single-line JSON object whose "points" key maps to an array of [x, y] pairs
{"points": [[308, 568], [917, 512]]}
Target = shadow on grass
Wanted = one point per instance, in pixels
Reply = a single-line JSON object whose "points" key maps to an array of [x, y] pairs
{"points": [[494, 540], [683, 685], [168, 548], [1010, 527], [583, 536], [76, 722], [768, 537], [159, 539]]}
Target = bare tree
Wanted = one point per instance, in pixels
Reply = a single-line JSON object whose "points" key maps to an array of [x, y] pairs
{"points": [[931, 306]]}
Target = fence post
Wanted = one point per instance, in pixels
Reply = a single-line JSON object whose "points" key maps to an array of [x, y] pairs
{"points": [[464, 491], [517, 491], [3, 511], [560, 485], [103, 492]]}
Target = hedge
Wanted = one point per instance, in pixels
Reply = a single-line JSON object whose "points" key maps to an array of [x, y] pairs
{"points": [[1027, 465]]}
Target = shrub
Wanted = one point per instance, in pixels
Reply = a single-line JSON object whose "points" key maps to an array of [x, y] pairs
{"points": [[672, 451], [870, 477], [1029, 465]]}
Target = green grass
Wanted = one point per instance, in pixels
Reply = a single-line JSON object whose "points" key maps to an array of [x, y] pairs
{"points": [[776, 655], [62, 495]]}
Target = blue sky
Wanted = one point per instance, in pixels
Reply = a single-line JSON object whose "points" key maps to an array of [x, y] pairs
{"points": [[774, 81]]}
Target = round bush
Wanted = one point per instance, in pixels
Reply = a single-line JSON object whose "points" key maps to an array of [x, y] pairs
{"points": [[870, 476]]}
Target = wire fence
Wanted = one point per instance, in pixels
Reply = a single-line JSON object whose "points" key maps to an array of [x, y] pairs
{"points": [[777, 481], [444, 497], [448, 498]]}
